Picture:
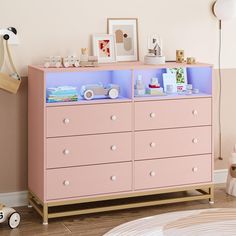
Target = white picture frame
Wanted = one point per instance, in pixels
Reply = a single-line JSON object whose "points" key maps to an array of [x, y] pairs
{"points": [[125, 31], [104, 48]]}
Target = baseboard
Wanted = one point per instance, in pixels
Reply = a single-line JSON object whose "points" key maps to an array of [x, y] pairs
{"points": [[220, 176], [16, 199]]}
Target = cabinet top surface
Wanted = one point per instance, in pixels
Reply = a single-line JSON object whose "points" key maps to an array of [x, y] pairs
{"points": [[121, 66]]}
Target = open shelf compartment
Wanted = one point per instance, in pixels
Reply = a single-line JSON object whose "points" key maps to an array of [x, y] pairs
{"points": [[123, 78]]}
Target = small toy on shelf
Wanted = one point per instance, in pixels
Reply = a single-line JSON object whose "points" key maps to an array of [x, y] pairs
{"points": [[139, 87], [7, 213], [179, 56], [91, 90], [191, 60], [154, 56], [87, 61], [53, 61], [154, 87], [70, 61]]}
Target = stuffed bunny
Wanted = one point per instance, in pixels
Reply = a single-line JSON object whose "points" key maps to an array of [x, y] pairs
{"points": [[231, 179]]}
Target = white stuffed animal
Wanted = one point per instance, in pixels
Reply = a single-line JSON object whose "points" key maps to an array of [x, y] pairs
{"points": [[231, 179]]}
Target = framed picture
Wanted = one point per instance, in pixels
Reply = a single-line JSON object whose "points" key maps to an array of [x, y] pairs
{"points": [[125, 31], [104, 48], [180, 74]]}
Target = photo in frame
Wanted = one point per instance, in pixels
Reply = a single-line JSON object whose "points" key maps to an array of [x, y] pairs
{"points": [[125, 31], [104, 48]]}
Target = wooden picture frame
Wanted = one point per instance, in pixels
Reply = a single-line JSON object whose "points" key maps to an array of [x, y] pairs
{"points": [[125, 31]]}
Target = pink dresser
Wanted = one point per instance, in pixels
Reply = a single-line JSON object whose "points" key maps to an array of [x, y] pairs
{"points": [[106, 150]]}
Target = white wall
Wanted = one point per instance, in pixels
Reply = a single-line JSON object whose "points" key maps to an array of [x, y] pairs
{"points": [[58, 27]]}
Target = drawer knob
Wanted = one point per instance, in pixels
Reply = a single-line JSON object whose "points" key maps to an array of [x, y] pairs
{"points": [[194, 169], [66, 152], [152, 173], [66, 121], [194, 112], [195, 140], [113, 147], [113, 117], [152, 115], [152, 144], [66, 182], [113, 178]]}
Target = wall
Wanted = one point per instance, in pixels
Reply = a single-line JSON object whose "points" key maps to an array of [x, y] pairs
{"points": [[59, 27]]}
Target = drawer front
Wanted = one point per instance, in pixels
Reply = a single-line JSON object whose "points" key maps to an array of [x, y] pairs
{"points": [[173, 171], [172, 142], [88, 180], [88, 119], [90, 149], [172, 113]]}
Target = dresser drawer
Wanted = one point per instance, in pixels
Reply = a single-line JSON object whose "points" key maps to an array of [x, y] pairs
{"points": [[88, 180], [89, 149], [172, 142], [172, 171], [88, 119], [172, 113]]}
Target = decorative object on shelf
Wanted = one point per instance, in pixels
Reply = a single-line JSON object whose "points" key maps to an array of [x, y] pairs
{"points": [[139, 87], [10, 215], [125, 31], [191, 60], [11, 82], [189, 89], [104, 48], [154, 87], [180, 76], [62, 94], [91, 90], [180, 56], [53, 61], [195, 90], [231, 179], [154, 56], [86, 60], [70, 61], [169, 82]]}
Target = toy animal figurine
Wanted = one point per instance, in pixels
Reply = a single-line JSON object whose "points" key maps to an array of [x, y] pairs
{"points": [[89, 91], [9, 214], [53, 61], [70, 61], [179, 56], [231, 179], [87, 61]]}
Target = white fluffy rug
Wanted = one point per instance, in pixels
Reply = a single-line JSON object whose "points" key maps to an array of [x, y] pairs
{"points": [[207, 222]]}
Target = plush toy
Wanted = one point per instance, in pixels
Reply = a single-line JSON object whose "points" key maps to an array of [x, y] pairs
{"points": [[231, 179]]}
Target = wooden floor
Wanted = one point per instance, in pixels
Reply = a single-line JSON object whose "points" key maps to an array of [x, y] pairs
{"points": [[98, 224]]}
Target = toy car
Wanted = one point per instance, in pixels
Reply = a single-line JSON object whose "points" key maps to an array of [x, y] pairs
{"points": [[13, 217], [53, 61], [91, 90], [70, 61]]}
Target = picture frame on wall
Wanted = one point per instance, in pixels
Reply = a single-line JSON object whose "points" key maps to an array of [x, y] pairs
{"points": [[104, 48], [125, 31]]}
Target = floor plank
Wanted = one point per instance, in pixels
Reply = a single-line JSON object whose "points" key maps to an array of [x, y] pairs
{"points": [[98, 224]]}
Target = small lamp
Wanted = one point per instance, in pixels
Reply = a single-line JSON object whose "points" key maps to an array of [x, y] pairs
{"points": [[224, 9]]}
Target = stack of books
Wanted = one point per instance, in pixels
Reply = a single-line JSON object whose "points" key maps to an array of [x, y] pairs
{"points": [[62, 94]]}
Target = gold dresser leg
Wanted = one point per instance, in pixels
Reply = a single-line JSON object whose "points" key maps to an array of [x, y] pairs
{"points": [[45, 214], [211, 192]]}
